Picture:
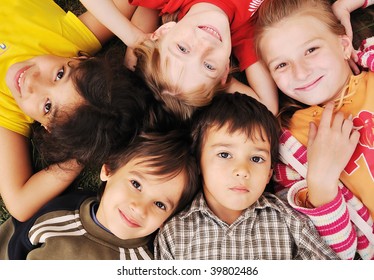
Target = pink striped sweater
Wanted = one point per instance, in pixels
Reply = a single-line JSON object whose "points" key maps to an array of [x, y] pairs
{"points": [[331, 220]]}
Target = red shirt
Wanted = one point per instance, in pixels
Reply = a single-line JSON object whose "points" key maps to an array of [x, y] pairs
{"points": [[238, 11]]}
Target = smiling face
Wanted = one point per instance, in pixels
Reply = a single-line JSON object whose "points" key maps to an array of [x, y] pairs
{"points": [[306, 60], [196, 50], [235, 170], [42, 85], [134, 203]]}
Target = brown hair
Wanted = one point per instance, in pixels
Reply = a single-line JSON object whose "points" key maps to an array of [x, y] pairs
{"points": [[115, 104], [272, 12], [167, 153], [241, 113]]}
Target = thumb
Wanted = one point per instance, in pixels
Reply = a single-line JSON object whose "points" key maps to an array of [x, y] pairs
{"points": [[312, 133]]}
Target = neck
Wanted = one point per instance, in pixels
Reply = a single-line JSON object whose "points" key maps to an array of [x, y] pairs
{"points": [[204, 7]]}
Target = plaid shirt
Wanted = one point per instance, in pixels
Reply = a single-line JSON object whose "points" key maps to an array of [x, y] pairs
{"points": [[269, 229]]}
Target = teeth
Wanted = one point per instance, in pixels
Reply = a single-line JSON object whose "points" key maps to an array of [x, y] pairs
{"points": [[212, 31], [19, 79]]}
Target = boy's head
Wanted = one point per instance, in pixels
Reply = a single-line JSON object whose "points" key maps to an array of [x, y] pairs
{"points": [[185, 63], [236, 142], [150, 180]]}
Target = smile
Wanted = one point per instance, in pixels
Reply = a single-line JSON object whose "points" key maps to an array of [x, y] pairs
{"points": [[310, 85], [212, 31], [129, 221], [18, 78]]}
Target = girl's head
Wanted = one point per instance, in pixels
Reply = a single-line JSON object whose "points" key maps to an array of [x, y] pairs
{"points": [[150, 180], [114, 101], [186, 62], [43, 85], [304, 47]]}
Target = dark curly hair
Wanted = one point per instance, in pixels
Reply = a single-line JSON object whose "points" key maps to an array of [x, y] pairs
{"points": [[116, 102]]}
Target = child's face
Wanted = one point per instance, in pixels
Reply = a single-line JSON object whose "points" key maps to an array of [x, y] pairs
{"points": [[196, 50], [306, 60], [235, 170], [41, 86], [135, 203]]}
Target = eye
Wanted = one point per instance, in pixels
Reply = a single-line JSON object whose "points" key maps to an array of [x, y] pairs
{"points": [[160, 205], [224, 155], [209, 66], [60, 74], [182, 49], [257, 159], [136, 185], [309, 51], [280, 65], [47, 107]]}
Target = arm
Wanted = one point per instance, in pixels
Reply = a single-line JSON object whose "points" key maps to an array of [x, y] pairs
{"points": [[342, 10], [22, 191], [147, 26], [263, 85], [114, 15]]}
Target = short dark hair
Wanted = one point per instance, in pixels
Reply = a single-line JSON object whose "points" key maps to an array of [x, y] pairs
{"points": [[167, 153], [241, 113], [116, 101]]}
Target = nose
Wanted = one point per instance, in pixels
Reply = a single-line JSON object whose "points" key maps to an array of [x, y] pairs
{"points": [[241, 170], [301, 70], [138, 208], [34, 83]]}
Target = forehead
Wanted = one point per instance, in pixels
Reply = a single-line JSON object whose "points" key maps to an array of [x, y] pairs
{"points": [[224, 133]]}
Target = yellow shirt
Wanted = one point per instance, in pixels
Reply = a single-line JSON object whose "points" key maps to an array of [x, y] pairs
{"points": [[31, 28], [358, 175]]}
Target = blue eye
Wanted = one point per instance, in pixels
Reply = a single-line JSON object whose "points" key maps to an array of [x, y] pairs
{"points": [[60, 74], [136, 185], [160, 205], [182, 49], [209, 66], [224, 155]]}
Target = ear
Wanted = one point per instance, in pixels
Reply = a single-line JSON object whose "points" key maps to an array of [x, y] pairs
{"points": [[347, 46], [45, 127], [104, 173], [226, 73], [270, 174], [162, 30]]}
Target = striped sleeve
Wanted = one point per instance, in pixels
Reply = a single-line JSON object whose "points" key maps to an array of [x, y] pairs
{"points": [[332, 220]]}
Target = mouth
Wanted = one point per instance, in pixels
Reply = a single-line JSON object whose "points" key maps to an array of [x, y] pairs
{"points": [[239, 189], [18, 79], [128, 220], [309, 86], [212, 31]]}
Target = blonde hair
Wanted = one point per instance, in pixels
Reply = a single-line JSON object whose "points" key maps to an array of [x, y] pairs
{"points": [[272, 12], [177, 101]]}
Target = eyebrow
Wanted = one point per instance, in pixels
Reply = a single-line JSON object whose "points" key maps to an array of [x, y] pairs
{"points": [[224, 145]]}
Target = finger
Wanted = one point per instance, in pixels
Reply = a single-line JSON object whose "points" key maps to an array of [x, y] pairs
{"points": [[327, 115], [355, 137], [347, 126], [312, 133], [338, 122]]}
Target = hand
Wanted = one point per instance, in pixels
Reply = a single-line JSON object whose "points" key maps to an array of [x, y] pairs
{"points": [[343, 13], [130, 59], [330, 146]]}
